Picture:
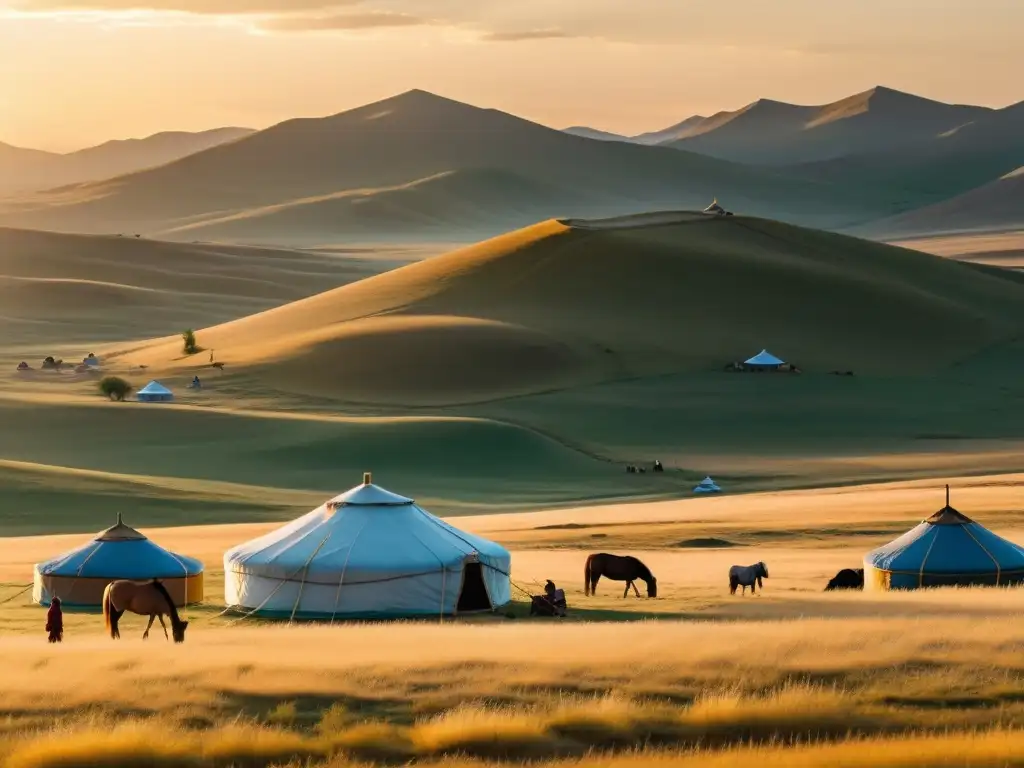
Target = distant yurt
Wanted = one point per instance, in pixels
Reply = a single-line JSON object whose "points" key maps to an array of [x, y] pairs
{"points": [[155, 392], [79, 577], [707, 485], [367, 553], [946, 549], [763, 361]]}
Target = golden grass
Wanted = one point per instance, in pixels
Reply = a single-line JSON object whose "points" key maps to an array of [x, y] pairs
{"points": [[143, 744], [264, 696]]}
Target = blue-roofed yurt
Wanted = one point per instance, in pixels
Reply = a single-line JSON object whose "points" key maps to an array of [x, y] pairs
{"points": [[79, 577], [763, 361], [367, 553], [155, 392], [946, 549]]}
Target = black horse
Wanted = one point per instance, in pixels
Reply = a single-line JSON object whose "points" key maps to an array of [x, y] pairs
{"points": [[848, 578], [617, 568]]}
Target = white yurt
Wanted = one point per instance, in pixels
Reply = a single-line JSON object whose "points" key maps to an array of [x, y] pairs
{"points": [[707, 485], [367, 553]]}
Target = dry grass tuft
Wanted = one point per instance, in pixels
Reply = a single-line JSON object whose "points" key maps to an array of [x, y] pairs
{"points": [[485, 732], [140, 744]]}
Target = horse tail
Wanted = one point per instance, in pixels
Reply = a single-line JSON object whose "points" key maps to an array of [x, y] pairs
{"points": [[733, 582], [106, 610], [587, 571]]}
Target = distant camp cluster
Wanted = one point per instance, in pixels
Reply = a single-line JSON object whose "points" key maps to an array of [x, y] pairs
{"points": [[90, 364]]}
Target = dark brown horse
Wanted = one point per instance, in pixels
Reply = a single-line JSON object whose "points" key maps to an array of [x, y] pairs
{"points": [[617, 568], [146, 598]]}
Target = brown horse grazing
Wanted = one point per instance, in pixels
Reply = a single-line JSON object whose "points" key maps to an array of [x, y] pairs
{"points": [[617, 568], [146, 598]]}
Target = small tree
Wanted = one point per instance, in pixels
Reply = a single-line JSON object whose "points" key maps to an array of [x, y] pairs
{"points": [[188, 339], [115, 388]]}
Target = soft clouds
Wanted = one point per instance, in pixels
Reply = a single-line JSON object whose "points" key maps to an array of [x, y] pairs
{"points": [[864, 28], [342, 21], [206, 7], [536, 34]]}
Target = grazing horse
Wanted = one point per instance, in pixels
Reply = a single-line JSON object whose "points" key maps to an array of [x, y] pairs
{"points": [[747, 576], [146, 598], [848, 578], [617, 568]]}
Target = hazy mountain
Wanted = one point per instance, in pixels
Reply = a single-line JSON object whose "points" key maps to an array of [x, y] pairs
{"points": [[775, 133], [594, 133], [414, 137], [25, 166], [30, 169], [936, 169], [996, 206], [672, 133]]}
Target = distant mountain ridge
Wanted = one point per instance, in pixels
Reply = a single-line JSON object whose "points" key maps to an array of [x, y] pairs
{"points": [[418, 165], [32, 169], [391, 147], [594, 133], [776, 133]]}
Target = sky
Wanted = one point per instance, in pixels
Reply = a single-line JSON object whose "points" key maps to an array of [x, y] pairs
{"points": [[78, 72]]}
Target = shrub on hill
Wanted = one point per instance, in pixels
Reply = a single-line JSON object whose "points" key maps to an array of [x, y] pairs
{"points": [[188, 339], [115, 388]]}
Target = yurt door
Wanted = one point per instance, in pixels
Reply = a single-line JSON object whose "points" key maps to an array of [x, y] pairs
{"points": [[473, 596]]}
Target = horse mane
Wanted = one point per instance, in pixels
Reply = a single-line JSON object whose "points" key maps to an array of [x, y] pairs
{"points": [[645, 572], [159, 587]]}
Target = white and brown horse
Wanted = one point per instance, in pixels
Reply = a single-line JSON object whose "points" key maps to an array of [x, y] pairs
{"points": [[146, 598], [747, 576]]}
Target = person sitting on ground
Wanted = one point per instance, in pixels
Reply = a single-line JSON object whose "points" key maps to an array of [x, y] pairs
{"points": [[196, 384], [556, 596], [55, 621]]}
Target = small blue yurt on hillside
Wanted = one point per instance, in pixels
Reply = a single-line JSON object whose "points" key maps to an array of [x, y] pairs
{"points": [[763, 361], [946, 549], [155, 392]]}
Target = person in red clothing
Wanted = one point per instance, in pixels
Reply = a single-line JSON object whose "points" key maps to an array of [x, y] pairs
{"points": [[55, 621]]}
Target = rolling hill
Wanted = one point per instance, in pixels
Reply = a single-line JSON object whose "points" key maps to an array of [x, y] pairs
{"points": [[30, 170], [997, 206], [569, 303], [775, 133], [57, 287], [410, 138]]}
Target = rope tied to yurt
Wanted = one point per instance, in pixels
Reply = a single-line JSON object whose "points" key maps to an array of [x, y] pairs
{"points": [[305, 570], [924, 560], [17, 595], [967, 530], [267, 599], [344, 566]]}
